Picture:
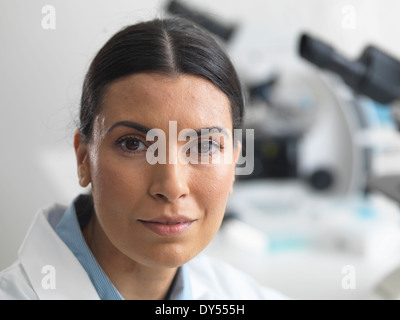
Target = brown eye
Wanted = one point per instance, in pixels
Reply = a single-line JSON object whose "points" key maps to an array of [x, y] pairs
{"points": [[132, 144]]}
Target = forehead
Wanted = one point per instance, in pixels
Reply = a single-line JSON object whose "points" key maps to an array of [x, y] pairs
{"points": [[154, 100]]}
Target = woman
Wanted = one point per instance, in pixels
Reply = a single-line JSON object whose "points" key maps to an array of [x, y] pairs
{"points": [[140, 232]]}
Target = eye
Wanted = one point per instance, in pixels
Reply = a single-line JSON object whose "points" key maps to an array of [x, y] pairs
{"points": [[131, 144], [204, 148], [207, 146]]}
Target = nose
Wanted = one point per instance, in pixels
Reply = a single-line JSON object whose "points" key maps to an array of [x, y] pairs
{"points": [[169, 182]]}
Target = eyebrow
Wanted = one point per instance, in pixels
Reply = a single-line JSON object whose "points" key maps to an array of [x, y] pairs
{"points": [[129, 124], [211, 130], [144, 129]]}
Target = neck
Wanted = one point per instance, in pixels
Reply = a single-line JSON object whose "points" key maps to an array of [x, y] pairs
{"points": [[134, 281]]}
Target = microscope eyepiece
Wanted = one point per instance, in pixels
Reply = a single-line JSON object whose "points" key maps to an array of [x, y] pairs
{"points": [[325, 57], [315, 51], [375, 74]]}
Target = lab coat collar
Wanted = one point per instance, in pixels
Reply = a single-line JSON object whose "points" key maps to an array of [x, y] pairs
{"points": [[42, 248]]}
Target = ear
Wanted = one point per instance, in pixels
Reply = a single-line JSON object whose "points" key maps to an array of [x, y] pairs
{"points": [[236, 154], [82, 158]]}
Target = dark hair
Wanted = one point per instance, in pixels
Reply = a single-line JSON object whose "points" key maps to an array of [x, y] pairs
{"points": [[171, 46]]}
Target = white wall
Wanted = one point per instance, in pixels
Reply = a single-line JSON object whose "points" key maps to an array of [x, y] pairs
{"points": [[41, 73]]}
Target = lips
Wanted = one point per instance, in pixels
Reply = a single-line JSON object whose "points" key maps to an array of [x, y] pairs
{"points": [[168, 227]]}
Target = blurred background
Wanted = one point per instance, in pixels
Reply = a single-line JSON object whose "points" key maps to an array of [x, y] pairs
{"points": [[318, 218]]}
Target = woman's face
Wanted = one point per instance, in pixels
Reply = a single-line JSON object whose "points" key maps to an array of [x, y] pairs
{"points": [[159, 215]]}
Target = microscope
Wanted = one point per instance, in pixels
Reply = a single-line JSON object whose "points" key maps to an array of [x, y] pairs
{"points": [[376, 75]]}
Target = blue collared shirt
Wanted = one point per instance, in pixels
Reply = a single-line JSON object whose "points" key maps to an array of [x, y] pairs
{"points": [[68, 229]]}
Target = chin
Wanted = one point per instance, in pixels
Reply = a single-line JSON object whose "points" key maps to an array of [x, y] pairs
{"points": [[169, 256]]}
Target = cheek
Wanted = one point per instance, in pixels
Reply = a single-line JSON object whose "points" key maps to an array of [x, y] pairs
{"points": [[117, 184], [215, 185], [211, 192]]}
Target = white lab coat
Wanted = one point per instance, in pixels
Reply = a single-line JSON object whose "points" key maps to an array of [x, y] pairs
{"points": [[25, 279]]}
